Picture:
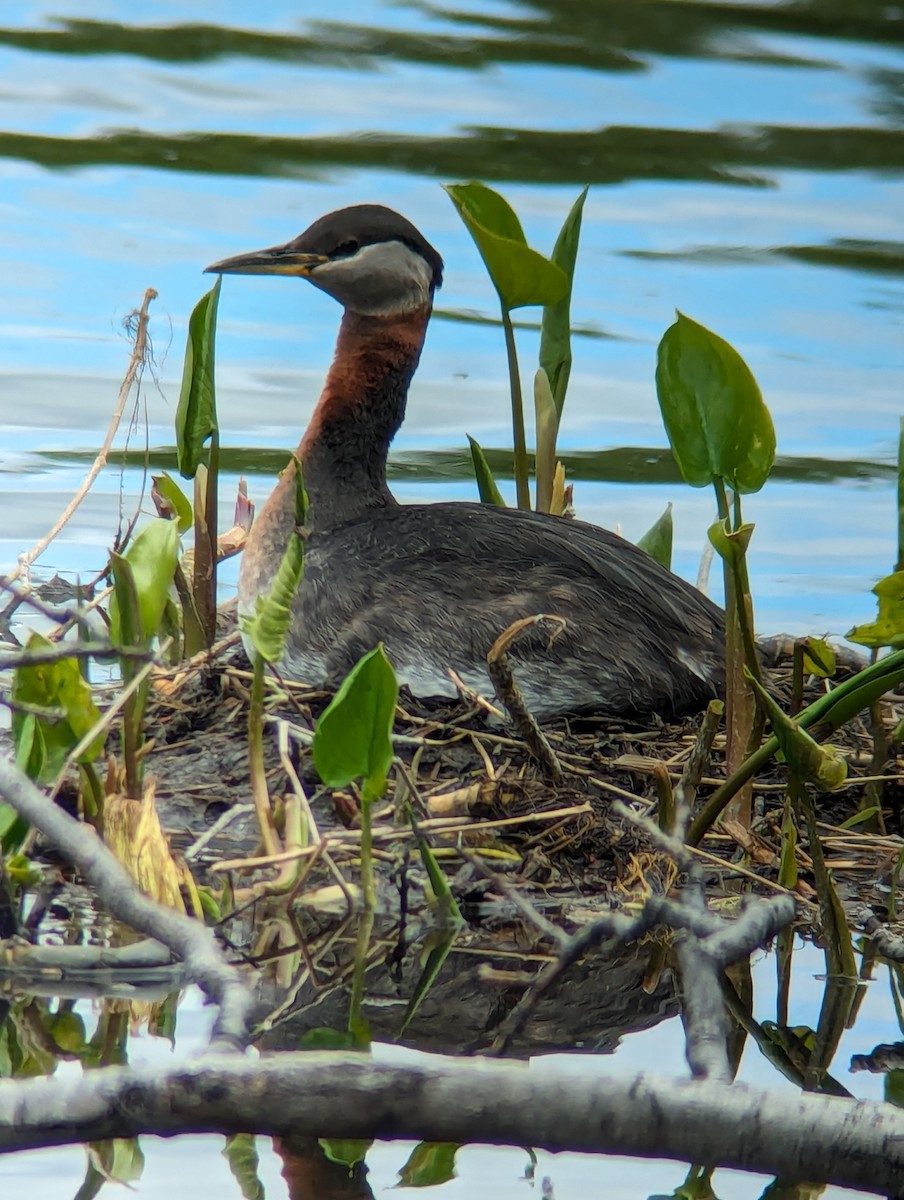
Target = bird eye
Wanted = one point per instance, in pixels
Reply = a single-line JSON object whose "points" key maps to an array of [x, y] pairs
{"points": [[346, 249]]}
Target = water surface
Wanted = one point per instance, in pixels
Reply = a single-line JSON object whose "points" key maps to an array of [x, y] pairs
{"points": [[745, 163]]}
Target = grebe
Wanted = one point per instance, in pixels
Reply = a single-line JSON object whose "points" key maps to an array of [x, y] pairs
{"points": [[437, 583]]}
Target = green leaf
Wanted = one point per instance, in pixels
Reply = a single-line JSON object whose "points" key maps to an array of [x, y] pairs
{"points": [[787, 870], [437, 946], [13, 830], [547, 423], [29, 742], [119, 1160], [23, 872], [210, 905], [348, 1152], [714, 414], [43, 743], [450, 917], [858, 818], [270, 625], [196, 416], [353, 739], [520, 275], [856, 694], [321, 1037], [730, 544], [657, 541], [151, 563], [555, 331], [894, 1088], [486, 484], [888, 628], [490, 210], [68, 1031], [240, 1152], [836, 933], [167, 491], [447, 918], [819, 658], [429, 1164], [820, 765]]}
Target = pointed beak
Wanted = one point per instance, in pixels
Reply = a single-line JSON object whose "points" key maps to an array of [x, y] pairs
{"points": [[278, 260]]}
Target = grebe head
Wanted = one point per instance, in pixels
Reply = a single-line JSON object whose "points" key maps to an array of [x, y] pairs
{"points": [[367, 257]]}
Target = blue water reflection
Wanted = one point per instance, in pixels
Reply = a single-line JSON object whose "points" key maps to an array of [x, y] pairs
{"points": [[78, 246]]}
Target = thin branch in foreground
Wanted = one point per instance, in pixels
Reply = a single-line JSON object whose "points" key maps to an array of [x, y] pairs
{"points": [[856, 1144], [52, 654], [190, 941], [707, 944]]}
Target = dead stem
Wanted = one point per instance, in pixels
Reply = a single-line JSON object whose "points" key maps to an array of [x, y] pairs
{"points": [[138, 323], [500, 668]]}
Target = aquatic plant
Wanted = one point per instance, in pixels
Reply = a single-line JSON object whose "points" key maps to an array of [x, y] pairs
{"points": [[722, 436], [196, 428], [522, 276]]}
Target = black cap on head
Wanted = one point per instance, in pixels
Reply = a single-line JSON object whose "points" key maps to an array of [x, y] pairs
{"points": [[344, 231]]}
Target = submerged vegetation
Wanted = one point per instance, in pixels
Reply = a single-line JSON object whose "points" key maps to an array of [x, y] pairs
{"points": [[499, 811]]}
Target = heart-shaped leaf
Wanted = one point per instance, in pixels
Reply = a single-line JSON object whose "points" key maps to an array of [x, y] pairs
{"points": [[520, 275], [714, 414], [151, 562], [43, 743], [353, 739]]}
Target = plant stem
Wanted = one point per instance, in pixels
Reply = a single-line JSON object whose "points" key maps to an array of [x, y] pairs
{"points": [[259, 791], [92, 795], [721, 498], [204, 582], [720, 798], [367, 862], [522, 491], [356, 1023], [740, 706], [797, 680]]}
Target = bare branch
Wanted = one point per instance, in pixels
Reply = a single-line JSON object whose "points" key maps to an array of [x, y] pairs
{"points": [[188, 939], [856, 1144], [52, 654]]}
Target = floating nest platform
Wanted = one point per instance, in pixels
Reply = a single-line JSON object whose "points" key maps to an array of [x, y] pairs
{"points": [[488, 806]]}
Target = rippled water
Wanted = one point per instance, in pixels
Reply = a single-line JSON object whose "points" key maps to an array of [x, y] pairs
{"points": [[745, 163]]}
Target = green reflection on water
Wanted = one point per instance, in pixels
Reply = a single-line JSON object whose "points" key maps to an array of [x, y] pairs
{"points": [[623, 464]]}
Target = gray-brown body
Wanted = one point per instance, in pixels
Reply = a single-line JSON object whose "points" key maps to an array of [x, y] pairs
{"points": [[438, 583]]}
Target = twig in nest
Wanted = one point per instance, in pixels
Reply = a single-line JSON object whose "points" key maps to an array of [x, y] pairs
{"points": [[472, 697], [500, 669], [697, 761]]}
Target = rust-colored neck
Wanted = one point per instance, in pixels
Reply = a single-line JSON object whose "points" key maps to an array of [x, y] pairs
{"points": [[362, 405]]}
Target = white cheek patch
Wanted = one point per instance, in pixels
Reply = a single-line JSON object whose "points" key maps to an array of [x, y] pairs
{"points": [[378, 280]]}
